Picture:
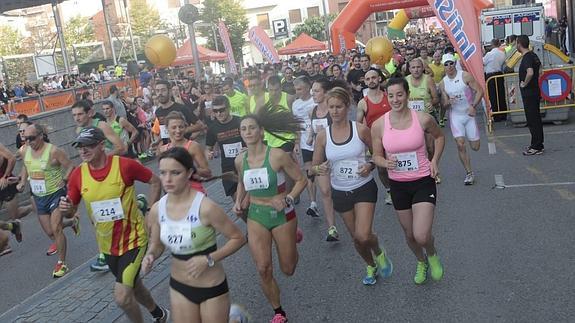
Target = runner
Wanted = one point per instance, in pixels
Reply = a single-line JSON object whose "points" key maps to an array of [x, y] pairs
{"points": [[238, 100], [176, 126], [121, 127], [422, 97], [271, 214], [225, 131], [277, 98], [15, 227], [320, 120], [106, 183], [438, 74], [301, 109], [187, 222], [399, 146], [373, 105], [457, 96], [340, 153], [46, 168]]}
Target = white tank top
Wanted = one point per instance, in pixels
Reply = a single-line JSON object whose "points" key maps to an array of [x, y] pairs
{"points": [[187, 235], [459, 91], [345, 160], [302, 109]]}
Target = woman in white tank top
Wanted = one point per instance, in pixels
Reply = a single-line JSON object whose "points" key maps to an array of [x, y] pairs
{"points": [[340, 153]]}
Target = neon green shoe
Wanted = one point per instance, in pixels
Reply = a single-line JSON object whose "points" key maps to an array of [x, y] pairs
{"points": [[420, 273], [436, 267], [370, 277], [385, 265]]}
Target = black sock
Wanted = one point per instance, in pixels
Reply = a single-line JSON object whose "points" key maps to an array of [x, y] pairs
{"points": [[157, 312], [279, 310]]}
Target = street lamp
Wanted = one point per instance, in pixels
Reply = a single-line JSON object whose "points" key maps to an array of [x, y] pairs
{"points": [[189, 14]]}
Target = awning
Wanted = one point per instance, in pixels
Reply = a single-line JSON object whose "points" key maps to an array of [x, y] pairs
{"points": [[184, 55], [304, 43]]}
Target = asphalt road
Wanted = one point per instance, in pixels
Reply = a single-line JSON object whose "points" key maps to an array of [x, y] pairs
{"points": [[507, 252]]}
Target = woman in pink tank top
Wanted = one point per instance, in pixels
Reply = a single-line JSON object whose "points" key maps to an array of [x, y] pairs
{"points": [[176, 124], [399, 145]]}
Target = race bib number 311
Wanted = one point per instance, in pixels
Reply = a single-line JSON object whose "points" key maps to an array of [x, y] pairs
{"points": [[256, 179], [107, 210]]}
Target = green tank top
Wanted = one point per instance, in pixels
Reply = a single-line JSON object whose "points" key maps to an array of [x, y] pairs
{"points": [[263, 181], [253, 101], [117, 127], [274, 141], [419, 97], [44, 178]]}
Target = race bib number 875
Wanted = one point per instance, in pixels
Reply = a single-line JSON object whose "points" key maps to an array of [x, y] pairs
{"points": [[407, 162]]}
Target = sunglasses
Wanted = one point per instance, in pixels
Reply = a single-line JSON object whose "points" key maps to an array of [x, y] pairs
{"points": [[219, 110], [448, 63], [30, 138], [20, 131]]}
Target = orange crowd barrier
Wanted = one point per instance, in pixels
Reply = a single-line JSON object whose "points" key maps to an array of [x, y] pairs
{"points": [[57, 101], [29, 107]]}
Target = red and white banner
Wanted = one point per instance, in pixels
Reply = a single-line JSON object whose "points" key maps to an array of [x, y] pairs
{"points": [[460, 22], [264, 44], [228, 46]]}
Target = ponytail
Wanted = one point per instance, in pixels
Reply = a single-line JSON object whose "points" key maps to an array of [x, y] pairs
{"points": [[276, 120]]}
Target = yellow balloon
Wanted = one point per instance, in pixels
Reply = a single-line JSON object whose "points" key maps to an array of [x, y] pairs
{"points": [[380, 50], [160, 50]]}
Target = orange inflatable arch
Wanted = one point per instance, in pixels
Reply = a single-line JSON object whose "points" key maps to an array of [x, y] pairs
{"points": [[356, 12]]}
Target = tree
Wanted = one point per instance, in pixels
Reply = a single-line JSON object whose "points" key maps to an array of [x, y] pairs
{"points": [[10, 41], [78, 30], [233, 15], [314, 26], [145, 20]]}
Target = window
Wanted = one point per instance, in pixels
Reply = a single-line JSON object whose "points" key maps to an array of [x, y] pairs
{"points": [[173, 3], [499, 31], [295, 16], [263, 20], [313, 12]]}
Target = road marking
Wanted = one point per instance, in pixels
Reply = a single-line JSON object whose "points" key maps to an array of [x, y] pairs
{"points": [[499, 183], [540, 184], [491, 146], [528, 134]]}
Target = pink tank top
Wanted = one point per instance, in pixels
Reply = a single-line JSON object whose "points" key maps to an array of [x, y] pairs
{"points": [[408, 146], [194, 184]]}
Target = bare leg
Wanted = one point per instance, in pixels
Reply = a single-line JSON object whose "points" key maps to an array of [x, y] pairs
{"points": [[325, 190], [260, 243], [360, 242], [58, 231], [463, 156], [143, 295], [124, 296], [406, 220], [422, 223]]}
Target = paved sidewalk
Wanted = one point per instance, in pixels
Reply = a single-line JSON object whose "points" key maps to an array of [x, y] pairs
{"points": [[84, 296]]}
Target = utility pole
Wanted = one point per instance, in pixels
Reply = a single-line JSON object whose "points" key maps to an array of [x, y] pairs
{"points": [[110, 38], [60, 33], [326, 19]]}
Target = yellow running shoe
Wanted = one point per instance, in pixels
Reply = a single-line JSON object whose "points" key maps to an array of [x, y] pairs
{"points": [[436, 267], [60, 270], [420, 273]]}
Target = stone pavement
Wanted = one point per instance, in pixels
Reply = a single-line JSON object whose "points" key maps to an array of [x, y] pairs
{"points": [[85, 296]]}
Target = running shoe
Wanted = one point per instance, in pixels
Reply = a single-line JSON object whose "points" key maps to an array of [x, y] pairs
{"points": [[60, 270], [52, 250], [100, 264], [298, 235], [388, 199], [437, 179], [312, 211], [165, 316], [76, 226], [278, 318], [385, 265], [530, 151], [371, 275], [238, 314], [6, 251], [17, 229], [469, 179], [420, 273], [142, 203], [435, 267], [332, 234]]}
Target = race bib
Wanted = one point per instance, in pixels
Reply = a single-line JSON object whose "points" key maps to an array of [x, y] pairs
{"points": [[164, 132], [256, 179], [38, 186], [346, 169], [319, 124], [208, 104], [418, 105], [107, 210], [179, 237], [407, 162], [232, 150]]}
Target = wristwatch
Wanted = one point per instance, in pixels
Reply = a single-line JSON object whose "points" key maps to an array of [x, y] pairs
{"points": [[211, 261]]}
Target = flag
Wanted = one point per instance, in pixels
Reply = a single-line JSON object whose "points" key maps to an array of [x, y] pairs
{"points": [[264, 44], [225, 36]]}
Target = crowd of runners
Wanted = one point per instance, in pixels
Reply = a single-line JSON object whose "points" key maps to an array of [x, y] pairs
{"points": [[324, 124]]}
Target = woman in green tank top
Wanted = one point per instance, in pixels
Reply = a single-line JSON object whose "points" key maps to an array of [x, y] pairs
{"points": [[262, 173]]}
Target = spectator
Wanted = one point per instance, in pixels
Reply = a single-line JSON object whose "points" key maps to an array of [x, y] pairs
{"points": [[118, 104]]}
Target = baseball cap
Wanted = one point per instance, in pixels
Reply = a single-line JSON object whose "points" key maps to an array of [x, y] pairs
{"points": [[89, 136], [447, 58]]}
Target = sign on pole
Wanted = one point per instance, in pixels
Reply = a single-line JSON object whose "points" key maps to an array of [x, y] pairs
{"points": [[228, 46], [280, 28]]}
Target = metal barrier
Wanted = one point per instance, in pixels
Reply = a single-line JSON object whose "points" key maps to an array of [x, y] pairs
{"points": [[513, 98], [36, 104]]}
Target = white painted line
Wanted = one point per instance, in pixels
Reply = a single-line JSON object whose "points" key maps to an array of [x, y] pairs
{"points": [[499, 183], [527, 135], [491, 146], [541, 184]]}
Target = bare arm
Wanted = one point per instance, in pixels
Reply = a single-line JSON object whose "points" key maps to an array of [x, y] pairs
{"points": [[65, 162], [155, 245], [155, 188], [472, 83], [241, 190], [111, 136], [528, 76], [221, 222], [361, 109], [431, 127], [203, 168], [10, 160], [444, 97], [378, 153], [432, 90], [287, 164], [125, 124]]}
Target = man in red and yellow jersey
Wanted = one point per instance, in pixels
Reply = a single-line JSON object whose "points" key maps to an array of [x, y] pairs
{"points": [[106, 183]]}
